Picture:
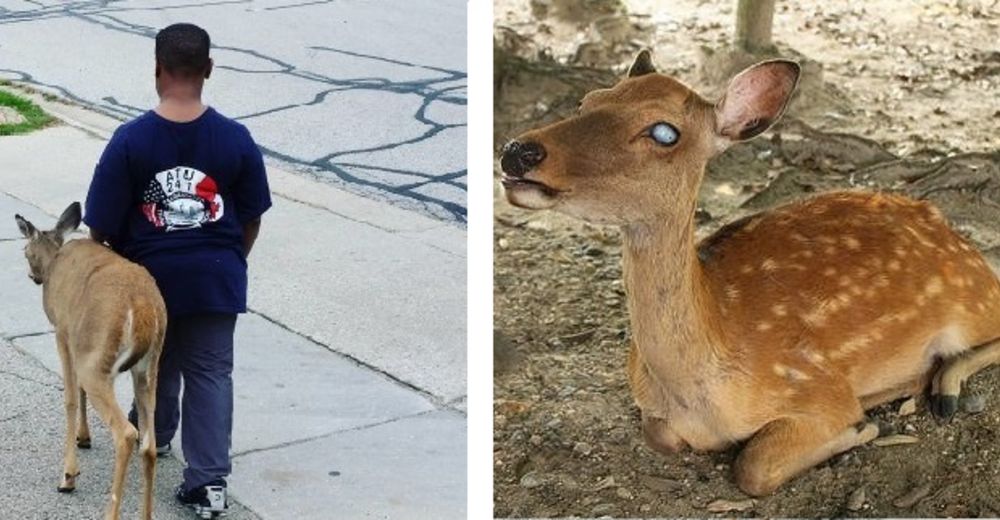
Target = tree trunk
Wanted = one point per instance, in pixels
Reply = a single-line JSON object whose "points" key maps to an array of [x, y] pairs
{"points": [[753, 25]]}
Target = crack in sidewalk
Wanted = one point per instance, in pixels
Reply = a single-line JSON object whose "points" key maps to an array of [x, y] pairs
{"points": [[331, 434], [27, 335], [436, 401], [405, 233]]}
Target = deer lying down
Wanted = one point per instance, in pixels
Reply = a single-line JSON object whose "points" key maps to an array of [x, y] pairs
{"points": [[109, 318], [782, 328]]}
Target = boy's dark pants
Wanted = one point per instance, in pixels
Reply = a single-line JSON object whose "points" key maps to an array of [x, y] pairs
{"points": [[199, 349]]}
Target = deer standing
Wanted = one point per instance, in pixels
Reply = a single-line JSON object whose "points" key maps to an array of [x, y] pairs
{"points": [[109, 317], [783, 327]]}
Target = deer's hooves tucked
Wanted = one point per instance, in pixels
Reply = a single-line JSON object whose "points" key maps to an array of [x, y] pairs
{"points": [[944, 407], [754, 483], [659, 437], [869, 431], [83, 444], [884, 427]]}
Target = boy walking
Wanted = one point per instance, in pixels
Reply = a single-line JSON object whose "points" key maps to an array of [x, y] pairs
{"points": [[181, 190]]}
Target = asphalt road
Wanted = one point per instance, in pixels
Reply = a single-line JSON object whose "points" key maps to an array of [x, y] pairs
{"points": [[369, 95]]}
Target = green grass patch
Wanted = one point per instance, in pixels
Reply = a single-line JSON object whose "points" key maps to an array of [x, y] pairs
{"points": [[34, 117]]}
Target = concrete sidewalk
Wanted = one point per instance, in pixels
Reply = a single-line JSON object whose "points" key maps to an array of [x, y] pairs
{"points": [[350, 367], [369, 96]]}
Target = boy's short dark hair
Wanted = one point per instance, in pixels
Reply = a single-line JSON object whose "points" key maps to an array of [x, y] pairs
{"points": [[182, 49]]}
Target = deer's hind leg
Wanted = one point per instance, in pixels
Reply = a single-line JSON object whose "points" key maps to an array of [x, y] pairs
{"points": [[100, 388], [144, 384], [913, 388], [83, 429], [948, 380], [787, 446], [71, 394]]}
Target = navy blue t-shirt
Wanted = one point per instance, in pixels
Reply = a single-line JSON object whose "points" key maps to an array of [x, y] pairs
{"points": [[173, 197]]}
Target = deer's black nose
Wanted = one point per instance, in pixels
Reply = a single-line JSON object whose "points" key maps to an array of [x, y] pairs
{"points": [[518, 158]]}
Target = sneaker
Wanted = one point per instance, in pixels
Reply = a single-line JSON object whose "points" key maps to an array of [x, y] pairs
{"points": [[209, 501]]}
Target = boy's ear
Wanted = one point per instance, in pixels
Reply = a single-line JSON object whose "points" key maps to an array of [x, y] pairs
{"points": [[69, 220], [755, 99], [208, 71], [27, 228]]}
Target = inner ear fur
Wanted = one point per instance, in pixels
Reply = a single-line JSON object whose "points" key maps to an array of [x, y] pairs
{"points": [[69, 220], [755, 99], [27, 228], [642, 64]]}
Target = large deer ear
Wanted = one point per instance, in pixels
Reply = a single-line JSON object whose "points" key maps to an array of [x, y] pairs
{"points": [[642, 65], [755, 99], [69, 220], [27, 228]]}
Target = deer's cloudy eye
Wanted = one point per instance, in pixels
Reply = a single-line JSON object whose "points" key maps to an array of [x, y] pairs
{"points": [[664, 133]]}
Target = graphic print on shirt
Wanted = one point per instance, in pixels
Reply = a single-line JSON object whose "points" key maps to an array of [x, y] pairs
{"points": [[181, 198]]}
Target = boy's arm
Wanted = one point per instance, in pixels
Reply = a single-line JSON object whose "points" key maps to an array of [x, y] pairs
{"points": [[253, 196], [110, 195], [250, 231]]}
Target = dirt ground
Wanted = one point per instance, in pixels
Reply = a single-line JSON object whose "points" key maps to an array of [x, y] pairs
{"points": [[898, 99]]}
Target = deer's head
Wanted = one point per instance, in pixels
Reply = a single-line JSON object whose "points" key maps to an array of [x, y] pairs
{"points": [[43, 246], [638, 150]]}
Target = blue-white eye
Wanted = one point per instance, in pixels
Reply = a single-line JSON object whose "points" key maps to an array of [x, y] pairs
{"points": [[664, 133]]}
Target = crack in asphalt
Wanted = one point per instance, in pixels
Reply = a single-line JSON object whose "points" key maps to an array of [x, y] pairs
{"points": [[30, 380], [303, 4], [445, 86], [15, 416]]}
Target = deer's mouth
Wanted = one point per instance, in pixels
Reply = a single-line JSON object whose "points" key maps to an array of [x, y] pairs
{"points": [[515, 183], [529, 194]]}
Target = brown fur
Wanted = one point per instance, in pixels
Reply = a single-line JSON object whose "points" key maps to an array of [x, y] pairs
{"points": [[782, 328], [105, 310]]}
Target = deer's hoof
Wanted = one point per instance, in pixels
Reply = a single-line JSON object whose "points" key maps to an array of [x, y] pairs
{"points": [[83, 444], [944, 406], [68, 484]]}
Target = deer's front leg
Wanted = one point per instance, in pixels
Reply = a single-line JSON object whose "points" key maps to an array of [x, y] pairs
{"points": [[659, 436], [645, 390], [71, 393], [787, 446]]}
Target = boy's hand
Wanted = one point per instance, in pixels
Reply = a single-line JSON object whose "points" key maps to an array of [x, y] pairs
{"points": [[98, 237], [250, 231]]}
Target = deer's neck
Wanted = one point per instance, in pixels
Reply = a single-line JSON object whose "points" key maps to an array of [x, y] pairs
{"points": [[48, 263], [673, 315]]}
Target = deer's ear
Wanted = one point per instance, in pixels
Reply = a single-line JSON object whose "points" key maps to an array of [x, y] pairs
{"points": [[27, 228], [755, 99], [69, 220], [642, 65]]}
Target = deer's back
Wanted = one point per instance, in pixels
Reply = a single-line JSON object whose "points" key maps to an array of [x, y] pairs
{"points": [[91, 287], [871, 286]]}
